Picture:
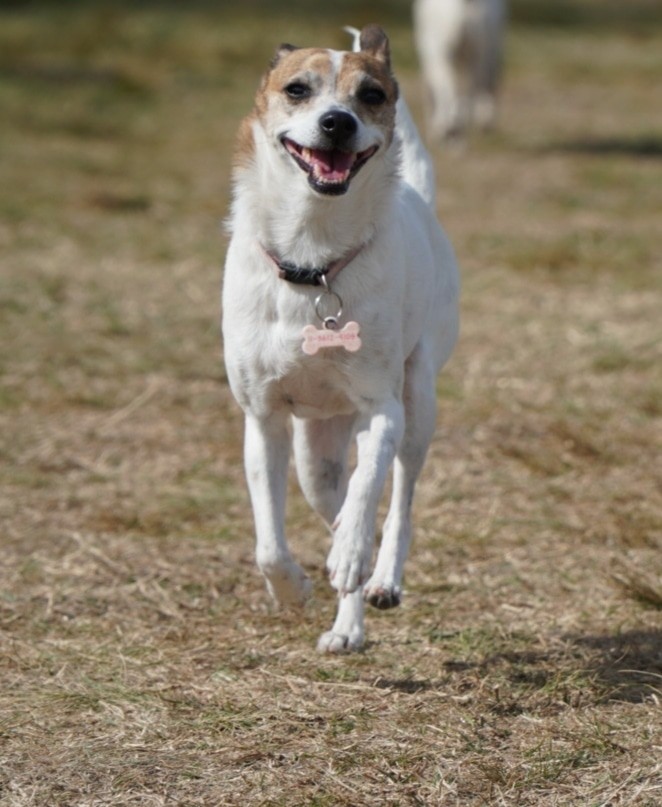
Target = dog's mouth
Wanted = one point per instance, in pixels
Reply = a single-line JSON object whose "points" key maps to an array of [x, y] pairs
{"points": [[329, 171]]}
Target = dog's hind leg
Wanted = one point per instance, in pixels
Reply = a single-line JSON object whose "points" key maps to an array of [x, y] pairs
{"points": [[347, 633], [266, 454], [321, 449], [383, 588]]}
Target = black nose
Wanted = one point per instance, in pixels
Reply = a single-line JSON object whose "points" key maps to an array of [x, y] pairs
{"points": [[338, 125]]}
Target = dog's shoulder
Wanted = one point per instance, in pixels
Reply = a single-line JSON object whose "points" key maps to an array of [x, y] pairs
{"points": [[244, 147]]}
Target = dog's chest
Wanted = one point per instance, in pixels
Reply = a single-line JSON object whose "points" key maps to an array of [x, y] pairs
{"points": [[320, 390], [278, 375], [272, 371], [317, 385], [275, 364]]}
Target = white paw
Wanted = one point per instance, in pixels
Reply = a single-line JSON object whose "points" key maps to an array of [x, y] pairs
{"points": [[288, 584], [348, 565], [331, 642]]}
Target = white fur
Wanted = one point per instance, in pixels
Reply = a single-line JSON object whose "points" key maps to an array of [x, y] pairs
{"points": [[460, 45], [402, 289]]}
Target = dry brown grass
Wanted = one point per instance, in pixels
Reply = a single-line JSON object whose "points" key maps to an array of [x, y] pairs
{"points": [[141, 662]]}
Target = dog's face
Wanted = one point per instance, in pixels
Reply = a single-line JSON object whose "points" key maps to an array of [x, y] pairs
{"points": [[328, 113]]}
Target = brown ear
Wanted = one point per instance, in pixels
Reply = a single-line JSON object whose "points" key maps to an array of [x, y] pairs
{"points": [[281, 51], [375, 42]]}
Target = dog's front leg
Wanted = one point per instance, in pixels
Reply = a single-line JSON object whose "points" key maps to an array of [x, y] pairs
{"points": [[378, 438], [266, 455], [383, 588]]}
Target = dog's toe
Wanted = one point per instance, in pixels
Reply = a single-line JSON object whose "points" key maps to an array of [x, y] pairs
{"points": [[382, 598], [336, 643], [347, 569]]}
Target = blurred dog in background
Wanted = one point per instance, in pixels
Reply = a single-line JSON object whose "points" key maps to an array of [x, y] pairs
{"points": [[460, 45]]}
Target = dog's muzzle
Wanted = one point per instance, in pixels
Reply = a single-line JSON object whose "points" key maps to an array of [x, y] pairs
{"points": [[331, 167]]}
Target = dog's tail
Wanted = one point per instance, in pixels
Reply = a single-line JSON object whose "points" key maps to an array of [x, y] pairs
{"points": [[416, 163]]}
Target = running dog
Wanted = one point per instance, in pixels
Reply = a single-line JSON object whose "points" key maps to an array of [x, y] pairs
{"points": [[340, 305], [459, 44]]}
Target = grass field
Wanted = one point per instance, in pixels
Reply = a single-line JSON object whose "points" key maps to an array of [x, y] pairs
{"points": [[141, 662]]}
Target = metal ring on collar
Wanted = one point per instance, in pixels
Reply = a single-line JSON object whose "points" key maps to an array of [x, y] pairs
{"points": [[329, 317]]}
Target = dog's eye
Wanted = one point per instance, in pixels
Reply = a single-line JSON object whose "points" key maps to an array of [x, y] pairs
{"points": [[373, 96], [297, 90]]}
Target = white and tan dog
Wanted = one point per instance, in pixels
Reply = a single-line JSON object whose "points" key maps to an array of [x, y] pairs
{"points": [[340, 305], [460, 45]]}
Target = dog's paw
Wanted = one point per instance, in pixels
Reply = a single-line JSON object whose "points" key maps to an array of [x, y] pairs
{"points": [[382, 596], [289, 585], [331, 642], [347, 567]]}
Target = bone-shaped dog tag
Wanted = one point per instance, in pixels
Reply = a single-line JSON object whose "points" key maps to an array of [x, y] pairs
{"points": [[315, 339]]}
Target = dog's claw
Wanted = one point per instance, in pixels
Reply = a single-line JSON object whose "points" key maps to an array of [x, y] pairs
{"points": [[382, 598], [347, 578], [338, 643]]}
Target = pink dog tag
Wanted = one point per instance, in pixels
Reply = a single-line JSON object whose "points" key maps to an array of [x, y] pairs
{"points": [[316, 338]]}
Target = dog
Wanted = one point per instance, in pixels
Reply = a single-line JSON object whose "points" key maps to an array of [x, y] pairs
{"points": [[460, 49], [340, 305]]}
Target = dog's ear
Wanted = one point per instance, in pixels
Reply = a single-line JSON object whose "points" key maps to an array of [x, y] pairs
{"points": [[281, 51], [375, 42]]}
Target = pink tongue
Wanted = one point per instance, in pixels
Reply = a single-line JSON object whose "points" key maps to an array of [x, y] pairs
{"points": [[332, 165]]}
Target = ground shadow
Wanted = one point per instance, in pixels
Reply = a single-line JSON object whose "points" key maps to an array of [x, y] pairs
{"points": [[621, 667], [628, 665], [408, 686], [645, 147]]}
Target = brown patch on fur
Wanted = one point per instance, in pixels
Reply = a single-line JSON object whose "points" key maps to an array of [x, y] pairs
{"points": [[281, 51], [244, 143], [312, 65], [363, 70], [357, 68], [288, 64], [374, 41]]}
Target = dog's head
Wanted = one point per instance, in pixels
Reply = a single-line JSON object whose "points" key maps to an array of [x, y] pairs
{"points": [[328, 113]]}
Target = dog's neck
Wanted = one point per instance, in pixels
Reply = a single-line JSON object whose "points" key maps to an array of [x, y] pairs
{"points": [[312, 276], [290, 220]]}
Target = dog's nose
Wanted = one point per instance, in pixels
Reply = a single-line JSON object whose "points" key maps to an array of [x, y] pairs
{"points": [[338, 125]]}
